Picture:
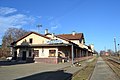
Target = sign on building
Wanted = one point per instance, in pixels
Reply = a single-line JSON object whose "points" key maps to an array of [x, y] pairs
{"points": [[54, 41]]}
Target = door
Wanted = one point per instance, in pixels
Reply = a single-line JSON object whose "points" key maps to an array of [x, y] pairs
{"points": [[15, 55], [24, 55]]}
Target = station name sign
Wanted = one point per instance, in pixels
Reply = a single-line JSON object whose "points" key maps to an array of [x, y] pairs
{"points": [[54, 42]]}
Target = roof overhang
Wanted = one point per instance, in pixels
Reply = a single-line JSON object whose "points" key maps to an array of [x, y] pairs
{"points": [[41, 45]]}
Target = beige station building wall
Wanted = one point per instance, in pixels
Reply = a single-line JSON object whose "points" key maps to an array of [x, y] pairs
{"points": [[36, 39]]}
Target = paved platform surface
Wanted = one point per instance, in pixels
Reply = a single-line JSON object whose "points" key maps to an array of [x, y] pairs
{"points": [[39, 71], [11, 72], [103, 72]]}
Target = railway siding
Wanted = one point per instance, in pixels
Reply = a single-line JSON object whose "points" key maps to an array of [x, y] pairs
{"points": [[114, 65]]}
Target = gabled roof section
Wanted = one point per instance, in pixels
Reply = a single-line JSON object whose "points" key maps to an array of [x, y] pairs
{"points": [[58, 37], [63, 38], [28, 35], [77, 36]]}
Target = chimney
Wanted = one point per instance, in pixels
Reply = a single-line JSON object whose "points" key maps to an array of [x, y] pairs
{"points": [[53, 34], [46, 31], [73, 33]]}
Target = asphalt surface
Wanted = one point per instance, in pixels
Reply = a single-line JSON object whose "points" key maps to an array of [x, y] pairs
{"points": [[39, 71], [103, 72], [31, 71]]}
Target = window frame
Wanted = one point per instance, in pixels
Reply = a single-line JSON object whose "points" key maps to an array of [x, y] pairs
{"points": [[36, 53], [52, 53]]}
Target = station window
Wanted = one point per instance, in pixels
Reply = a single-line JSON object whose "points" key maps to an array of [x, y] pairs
{"points": [[36, 53], [30, 40], [52, 53]]}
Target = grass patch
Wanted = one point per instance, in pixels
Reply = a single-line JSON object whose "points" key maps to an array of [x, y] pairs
{"points": [[85, 73]]}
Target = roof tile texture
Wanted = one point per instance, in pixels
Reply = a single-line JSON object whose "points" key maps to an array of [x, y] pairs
{"points": [[77, 36]]}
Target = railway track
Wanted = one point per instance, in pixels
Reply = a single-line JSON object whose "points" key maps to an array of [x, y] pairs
{"points": [[114, 65]]}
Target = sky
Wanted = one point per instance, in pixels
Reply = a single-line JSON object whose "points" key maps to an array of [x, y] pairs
{"points": [[99, 20]]}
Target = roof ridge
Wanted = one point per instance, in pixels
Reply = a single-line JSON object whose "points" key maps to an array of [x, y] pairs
{"points": [[70, 34], [63, 38]]}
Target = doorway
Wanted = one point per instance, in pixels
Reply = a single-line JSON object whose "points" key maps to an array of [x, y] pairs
{"points": [[15, 55], [24, 55]]}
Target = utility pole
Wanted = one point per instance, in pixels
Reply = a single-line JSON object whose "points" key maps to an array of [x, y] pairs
{"points": [[118, 50], [115, 44]]}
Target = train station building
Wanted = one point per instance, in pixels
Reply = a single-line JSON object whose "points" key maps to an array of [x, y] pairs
{"points": [[51, 48]]}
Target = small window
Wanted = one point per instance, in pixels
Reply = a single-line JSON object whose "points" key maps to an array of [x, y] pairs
{"points": [[36, 53], [30, 40], [52, 53]]}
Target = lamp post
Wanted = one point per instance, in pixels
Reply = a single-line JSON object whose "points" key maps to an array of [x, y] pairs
{"points": [[39, 25]]}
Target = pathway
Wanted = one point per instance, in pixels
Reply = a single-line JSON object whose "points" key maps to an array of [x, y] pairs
{"points": [[103, 72]]}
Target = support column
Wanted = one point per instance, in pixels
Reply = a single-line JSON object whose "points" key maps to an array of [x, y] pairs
{"points": [[80, 54], [87, 53], [76, 53], [72, 54]]}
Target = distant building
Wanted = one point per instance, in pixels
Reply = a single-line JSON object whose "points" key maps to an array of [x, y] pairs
{"points": [[107, 53], [50, 48], [104, 53]]}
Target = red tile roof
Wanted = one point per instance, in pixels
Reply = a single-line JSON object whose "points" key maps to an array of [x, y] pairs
{"points": [[77, 36]]}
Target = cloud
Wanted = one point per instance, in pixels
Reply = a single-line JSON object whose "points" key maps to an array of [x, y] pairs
{"points": [[50, 18], [10, 18], [54, 27], [14, 20], [39, 17], [7, 10], [17, 21]]}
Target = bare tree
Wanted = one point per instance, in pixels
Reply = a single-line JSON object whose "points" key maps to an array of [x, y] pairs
{"points": [[11, 35]]}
